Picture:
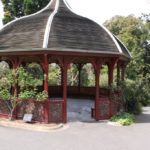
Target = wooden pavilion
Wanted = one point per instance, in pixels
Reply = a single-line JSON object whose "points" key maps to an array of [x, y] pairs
{"points": [[57, 35]]}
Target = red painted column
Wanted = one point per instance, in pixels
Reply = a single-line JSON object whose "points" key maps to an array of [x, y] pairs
{"points": [[15, 65], [118, 74], [45, 72], [110, 82], [61, 81], [79, 77], [46, 111], [110, 74], [46, 103], [122, 72], [64, 69], [97, 99]]}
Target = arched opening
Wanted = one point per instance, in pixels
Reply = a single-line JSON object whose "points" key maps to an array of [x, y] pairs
{"points": [[6, 89], [54, 81], [4, 65], [72, 74], [72, 80], [115, 76], [30, 80], [4, 71], [36, 71], [81, 90], [104, 79], [87, 76], [5, 68]]}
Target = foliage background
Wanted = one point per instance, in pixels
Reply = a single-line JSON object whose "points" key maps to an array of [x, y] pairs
{"points": [[134, 32]]}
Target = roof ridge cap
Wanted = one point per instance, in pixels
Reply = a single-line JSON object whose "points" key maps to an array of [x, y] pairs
{"points": [[49, 23]]}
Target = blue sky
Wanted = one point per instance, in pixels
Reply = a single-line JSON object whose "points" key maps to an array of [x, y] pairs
{"points": [[101, 10]]}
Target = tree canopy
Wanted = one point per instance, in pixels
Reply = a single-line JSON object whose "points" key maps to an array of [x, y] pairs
{"points": [[135, 34], [18, 8]]}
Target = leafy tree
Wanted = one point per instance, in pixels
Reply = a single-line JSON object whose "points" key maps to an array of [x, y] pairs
{"points": [[36, 71], [134, 32], [73, 75], [26, 80], [104, 76], [32, 6], [8, 80], [54, 75], [7, 17], [87, 75], [18, 8]]}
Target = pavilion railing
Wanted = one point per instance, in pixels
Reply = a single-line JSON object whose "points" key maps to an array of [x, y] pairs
{"points": [[109, 105], [49, 111], [4, 111], [56, 111], [53, 110]]}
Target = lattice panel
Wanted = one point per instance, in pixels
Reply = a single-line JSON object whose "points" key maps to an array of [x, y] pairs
{"points": [[21, 109], [114, 108], [104, 108], [116, 103], [55, 112], [35, 108], [38, 112], [3, 108]]}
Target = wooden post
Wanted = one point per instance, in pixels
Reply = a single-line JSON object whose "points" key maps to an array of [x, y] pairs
{"points": [[15, 65], [97, 100], [46, 111], [46, 103], [61, 81], [64, 68], [79, 77], [111, 73], [118, 74], [122, 72], [45, 73]]}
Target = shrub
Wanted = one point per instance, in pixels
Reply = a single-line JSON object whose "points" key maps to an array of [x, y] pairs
{"points": [[132, 97], [5, 94], [27, 95], [41, 96], [123, 118]]}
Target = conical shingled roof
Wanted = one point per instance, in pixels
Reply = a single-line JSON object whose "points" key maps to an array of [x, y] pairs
{"points": [[56, 27]]}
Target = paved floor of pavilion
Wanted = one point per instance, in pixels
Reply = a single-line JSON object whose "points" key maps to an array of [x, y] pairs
{"points": [[79, 109]]}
